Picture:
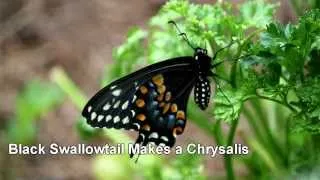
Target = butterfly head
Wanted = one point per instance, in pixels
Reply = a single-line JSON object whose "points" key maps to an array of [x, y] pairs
{"points": [[199, 51]]}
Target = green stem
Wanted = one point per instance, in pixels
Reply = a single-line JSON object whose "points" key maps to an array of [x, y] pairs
{"points": [[277, 101], [228, 158], [287, 141], [275, 148], [217, 133], [252, 120], [256, 105], [59, 76]]}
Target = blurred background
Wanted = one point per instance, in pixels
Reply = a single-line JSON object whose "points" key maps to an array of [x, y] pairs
{"points": [[36, 37]]}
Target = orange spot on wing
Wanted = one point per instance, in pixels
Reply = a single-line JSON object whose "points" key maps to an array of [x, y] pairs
{"points": [[174, 108], [158, 79], [161, 89], [140, 103], [143, 90], [181, 115], [141, 117]]}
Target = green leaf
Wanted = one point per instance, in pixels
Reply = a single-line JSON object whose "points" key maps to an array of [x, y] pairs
{"points": [[309, 118], [228, 104], [257, 13]]}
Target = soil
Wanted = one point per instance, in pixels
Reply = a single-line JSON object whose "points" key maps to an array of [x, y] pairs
{"points": [[36, 35]]}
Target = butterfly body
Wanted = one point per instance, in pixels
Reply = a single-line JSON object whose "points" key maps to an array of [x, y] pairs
{"points": [[202, 86], [153, 100]]}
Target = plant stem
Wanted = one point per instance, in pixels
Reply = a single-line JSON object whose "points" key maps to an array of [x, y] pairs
{"points": [[252, 120], [217, 134], [275, 148], [228, 158], [277, 101]]}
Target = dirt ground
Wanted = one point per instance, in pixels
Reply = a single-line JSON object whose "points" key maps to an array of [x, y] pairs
{"points": [[36, 35]]}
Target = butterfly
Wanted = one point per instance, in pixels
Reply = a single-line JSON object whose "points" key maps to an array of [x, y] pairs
{"points": [[153, 100]]}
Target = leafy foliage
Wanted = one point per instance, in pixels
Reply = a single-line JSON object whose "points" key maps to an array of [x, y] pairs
{"points": [[36, 99], [290, 49], [185, 167]]}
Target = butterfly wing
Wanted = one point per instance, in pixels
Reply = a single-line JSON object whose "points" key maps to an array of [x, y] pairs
{"points": [[152, 101], [161, 105]]}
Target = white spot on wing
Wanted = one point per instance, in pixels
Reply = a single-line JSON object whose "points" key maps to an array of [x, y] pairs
{"points": [[108, 118], [112, 87], [125, 105], [142, 135], [106, 107], [116, 119], [93, 115], [89, 109], [134, 98], [133, 113], [116, 92], [125, 120], [116, 105], [100, 117], [154, 135], [164, 138], [137, 125]]}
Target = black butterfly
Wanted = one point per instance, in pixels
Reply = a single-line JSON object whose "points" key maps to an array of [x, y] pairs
{"points": [[153, 100]]}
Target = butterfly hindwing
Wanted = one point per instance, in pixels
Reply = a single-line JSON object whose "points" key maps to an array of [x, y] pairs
{"points": [[161, 106]]}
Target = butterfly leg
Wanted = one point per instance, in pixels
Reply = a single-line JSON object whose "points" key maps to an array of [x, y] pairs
{"points": [[219, 88], [221, 49], [219, 77]]}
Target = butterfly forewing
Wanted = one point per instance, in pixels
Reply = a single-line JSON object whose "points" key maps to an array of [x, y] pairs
{"points": [[111, 106]]}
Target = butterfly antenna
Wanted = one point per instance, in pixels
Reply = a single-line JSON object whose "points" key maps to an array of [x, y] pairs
{"points": [[184, 35]]}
